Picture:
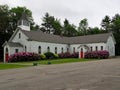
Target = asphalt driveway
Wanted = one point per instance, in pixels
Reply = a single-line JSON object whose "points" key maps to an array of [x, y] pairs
{"points": [[93, 75]]}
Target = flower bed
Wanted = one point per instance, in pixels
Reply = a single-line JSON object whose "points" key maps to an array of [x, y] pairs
{"points": [[23, 56], [68, 55], [97, 54]]}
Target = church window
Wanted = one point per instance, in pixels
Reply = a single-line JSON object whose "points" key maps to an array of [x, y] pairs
{"points": [[19, 35], [39, 50], [108, 48], [25, 49], [96, 48], [91, 48], [16, 50], [62, 50], [73, 49], [26, 23], [67, 49], [6, 50], [20, 22], [101, 47], [55, 50], [81, 49], [48, 49]]}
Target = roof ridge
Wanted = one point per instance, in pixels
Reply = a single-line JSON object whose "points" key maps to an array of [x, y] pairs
{"points": [[43, 37]]}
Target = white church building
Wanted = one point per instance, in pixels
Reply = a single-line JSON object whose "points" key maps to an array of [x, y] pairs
{"points": [[25, 40]]}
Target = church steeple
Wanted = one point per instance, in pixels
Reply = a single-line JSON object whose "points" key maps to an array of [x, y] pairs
{"points": [[24, 22]]}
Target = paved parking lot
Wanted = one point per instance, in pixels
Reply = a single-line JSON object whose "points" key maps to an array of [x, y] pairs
{"points": [[93, 75]]}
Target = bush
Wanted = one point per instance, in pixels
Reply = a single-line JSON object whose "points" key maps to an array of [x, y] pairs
{"points": [[56, 56], [75, 55], [68, 55], [65, 55], [42, 56], [49, 55], [23, 56], [97, 54]]}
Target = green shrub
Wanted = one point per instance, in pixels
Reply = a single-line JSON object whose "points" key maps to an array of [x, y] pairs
{"points": [[42, 56], [49, 55], [56, 56]]}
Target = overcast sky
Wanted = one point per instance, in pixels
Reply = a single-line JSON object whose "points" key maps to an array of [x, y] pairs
{"points": [[73, 10]]}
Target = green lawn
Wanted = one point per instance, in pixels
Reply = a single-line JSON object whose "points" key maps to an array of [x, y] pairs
{"points": [[57, 61], [10, 66], [61, 61], [41, 62]]}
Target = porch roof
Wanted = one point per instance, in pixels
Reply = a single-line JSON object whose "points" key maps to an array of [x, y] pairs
{"points": [[13, 44]]}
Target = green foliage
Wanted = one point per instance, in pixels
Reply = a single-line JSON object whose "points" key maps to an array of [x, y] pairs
{"points": [[47, 23], [42, 56], [113, 25], [95, 30], [106, 22], [83, 26], [69, 29], [49, 55], [35, 64], [56, 56], [50, 24], [5, 30]]}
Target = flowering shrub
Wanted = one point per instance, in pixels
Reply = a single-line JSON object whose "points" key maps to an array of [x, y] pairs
{"points": [[97, 54], [68, 55], [64, 55], [23, 56], [74, 55]]}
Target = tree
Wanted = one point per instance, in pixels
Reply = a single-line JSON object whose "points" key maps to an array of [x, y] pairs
{"points": [[4, 26], [83, 26], [115, 26], [4, 18], [47, 23], [106, 23], [69, 29], [57, 27], [51, 25], [95, 30], [15, 15]]}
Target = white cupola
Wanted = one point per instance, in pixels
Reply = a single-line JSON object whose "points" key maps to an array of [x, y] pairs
{"points": [[24, 22]]}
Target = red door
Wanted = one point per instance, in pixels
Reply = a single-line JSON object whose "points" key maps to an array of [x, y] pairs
{"points": [[6, 57], [81, 54]]}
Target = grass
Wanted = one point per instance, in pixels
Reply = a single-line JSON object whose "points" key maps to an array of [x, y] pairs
{"points": [[57, 61], [41, 62], [61, 61], [10, 66]]}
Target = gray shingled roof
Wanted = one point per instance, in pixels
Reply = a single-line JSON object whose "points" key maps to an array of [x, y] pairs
{"points": [[98, 38], [13, 44], [43, 37]]}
